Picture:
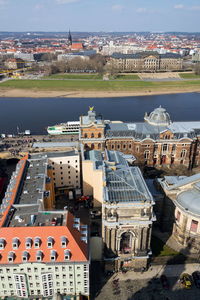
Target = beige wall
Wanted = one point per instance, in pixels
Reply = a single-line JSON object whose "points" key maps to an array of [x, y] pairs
{"points": [[92, 182], [66, 170]]}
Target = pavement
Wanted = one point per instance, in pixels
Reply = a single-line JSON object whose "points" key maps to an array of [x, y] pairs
{"points": [[147, 285]]}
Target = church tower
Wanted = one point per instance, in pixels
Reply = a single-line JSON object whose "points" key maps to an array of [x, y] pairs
{"points": [[70, 38]]}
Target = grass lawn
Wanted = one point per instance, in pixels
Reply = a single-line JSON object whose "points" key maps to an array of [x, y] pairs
{"points": [[126, 77], [74, 76], [92, 85], [188, 75], [161, 249]]}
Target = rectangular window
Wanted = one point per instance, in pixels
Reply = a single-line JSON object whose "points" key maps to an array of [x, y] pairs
{"points": [[194, 226], [178, 216]]}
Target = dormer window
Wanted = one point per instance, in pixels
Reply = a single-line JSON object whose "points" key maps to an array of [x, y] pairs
{"points": [[25, 256], [53, 255], [11, 256], [15, 243], [50, 242], [37, 242], [67, 255], [2, 244], [28, 243], [39, 255], [63, 242]]}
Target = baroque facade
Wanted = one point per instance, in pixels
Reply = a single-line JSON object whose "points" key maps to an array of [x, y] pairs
{"points": [[184, 195], [146, 62], [155, 142], [126, 204]]}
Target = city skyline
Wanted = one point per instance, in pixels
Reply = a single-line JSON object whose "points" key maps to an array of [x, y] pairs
{"points": [[84, 15]]}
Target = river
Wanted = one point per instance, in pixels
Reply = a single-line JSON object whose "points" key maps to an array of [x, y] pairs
{"points": [[38, 113]]}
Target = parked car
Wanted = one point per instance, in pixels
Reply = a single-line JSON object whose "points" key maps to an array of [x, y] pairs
{"points": [[164, 281], [186, 280], [196, 278]]}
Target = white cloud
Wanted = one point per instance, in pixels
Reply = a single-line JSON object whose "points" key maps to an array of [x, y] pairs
{"points": [[38, 6], [179, 6], [117, 7], [195, 8], [66, 1], [141, 10]]}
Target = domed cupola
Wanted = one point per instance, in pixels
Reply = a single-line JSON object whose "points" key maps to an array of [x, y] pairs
{"points": [[158, 117]]}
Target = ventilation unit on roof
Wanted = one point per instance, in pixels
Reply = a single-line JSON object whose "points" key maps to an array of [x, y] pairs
{"points": [[25, 192]]}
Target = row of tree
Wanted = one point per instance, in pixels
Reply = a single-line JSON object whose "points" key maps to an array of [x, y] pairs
{"points": [[95, 63]]}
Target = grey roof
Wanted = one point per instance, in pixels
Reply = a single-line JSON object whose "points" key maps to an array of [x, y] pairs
{"points": [[158, 117], [185, 181], [55, 144], [145, 130], [190, 201], [126, 185], [144, 54]]}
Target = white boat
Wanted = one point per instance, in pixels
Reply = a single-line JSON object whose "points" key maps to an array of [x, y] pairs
{"points": [[64, 128]]}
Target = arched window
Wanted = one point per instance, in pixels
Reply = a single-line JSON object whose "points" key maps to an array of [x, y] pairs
{"points": [[112, 146], [92, 146], [92, 135], [183, 153], [146, 154], [85, 135], [99, 146], [99, 135]]}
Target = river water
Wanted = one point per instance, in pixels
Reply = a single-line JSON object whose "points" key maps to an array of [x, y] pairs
{"points": [[38, 113]]}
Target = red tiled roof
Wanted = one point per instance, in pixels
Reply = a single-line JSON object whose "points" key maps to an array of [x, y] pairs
{"points": [[77, 248]]}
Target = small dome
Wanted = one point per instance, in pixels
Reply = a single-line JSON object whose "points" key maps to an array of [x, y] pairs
{"points": [[190, 201], [158, 117]]}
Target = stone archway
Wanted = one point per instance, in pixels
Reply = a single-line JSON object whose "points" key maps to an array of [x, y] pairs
{"points": [[127, 241]]}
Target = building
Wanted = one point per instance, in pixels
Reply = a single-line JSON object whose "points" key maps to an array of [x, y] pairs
{"points": [[14, 63], [43, 251], [146, 62], [155, 142], [184, 194], [126, 204], [65, 171]]}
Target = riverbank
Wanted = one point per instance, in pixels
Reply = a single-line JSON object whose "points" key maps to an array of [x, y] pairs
{"points": [[38, 93], [94, 89]]}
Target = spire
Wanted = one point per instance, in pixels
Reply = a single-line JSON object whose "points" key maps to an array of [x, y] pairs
{"points": [[70, 38]]}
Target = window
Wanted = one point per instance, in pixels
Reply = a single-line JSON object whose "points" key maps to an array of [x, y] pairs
{"points": [[99, 135], [60, 162], [165, 147], [85, 135], [130, 146], [92, 135], [178, 215], [173, 147], [61, 168], [194, 226], [183, 153], [146, 154]]}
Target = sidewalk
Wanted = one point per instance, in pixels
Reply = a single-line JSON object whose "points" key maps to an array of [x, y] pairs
{"points": [[157, 271]]}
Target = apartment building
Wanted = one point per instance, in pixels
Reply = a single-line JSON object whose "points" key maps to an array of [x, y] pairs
{"points": [[43, 251]]}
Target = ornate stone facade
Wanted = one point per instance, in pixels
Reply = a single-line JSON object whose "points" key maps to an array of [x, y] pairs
{"points": [[158, 141], [127, 207]]}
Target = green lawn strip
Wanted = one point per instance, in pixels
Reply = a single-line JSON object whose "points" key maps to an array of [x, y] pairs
{"points": [[161, 249], [92, 85], [74, 76], [188, 75]]}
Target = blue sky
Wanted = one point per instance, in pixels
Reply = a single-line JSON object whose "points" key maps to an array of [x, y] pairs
{"points": [[100, 15]]}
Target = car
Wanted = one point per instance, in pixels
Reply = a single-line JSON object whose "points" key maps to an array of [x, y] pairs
{"points": [[186, 280], [196, 278], [164, 281]]}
